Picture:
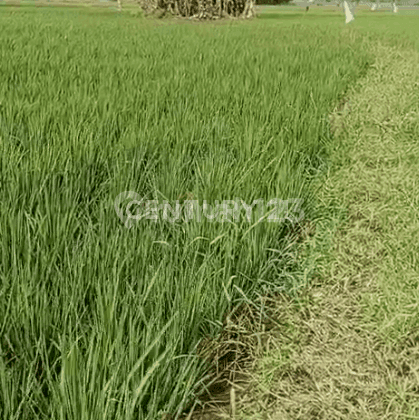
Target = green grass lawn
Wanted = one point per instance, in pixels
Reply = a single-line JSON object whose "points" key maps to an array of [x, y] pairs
{"points": [[100, 321]]}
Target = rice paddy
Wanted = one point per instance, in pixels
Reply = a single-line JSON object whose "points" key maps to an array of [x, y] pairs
{"points": [[98, 321]]}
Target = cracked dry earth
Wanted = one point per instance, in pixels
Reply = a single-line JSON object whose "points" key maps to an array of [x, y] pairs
{"points": [[339, 352]]}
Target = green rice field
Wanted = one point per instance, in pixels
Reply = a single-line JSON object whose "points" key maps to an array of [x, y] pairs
{"points": [[98, 321]]}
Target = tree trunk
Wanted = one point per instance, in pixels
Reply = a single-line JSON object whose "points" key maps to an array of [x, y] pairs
{"points": [[201, 9]]}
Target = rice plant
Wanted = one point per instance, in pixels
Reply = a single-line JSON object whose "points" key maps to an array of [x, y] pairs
{"points": [[102, 322]]}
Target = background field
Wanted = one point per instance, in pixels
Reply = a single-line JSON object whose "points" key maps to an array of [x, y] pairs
{"points": [[99, 321]]}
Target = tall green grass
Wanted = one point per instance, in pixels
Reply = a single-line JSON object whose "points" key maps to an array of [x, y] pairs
{"points": [[101, 322]]}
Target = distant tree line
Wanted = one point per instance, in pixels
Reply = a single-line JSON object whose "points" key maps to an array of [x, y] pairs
{"points": [[200, 9]]}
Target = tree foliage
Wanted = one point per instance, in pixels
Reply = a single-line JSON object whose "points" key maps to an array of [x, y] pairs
{"points": [[201, 9]]}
